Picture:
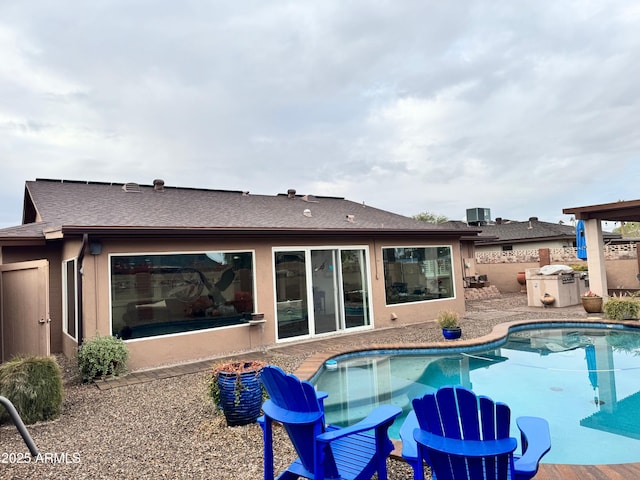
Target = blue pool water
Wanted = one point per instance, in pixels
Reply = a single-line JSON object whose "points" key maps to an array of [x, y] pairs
{"points": [[584, 381]]}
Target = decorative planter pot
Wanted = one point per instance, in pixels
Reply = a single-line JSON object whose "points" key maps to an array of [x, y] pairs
{"points": [[522, 280], [592, 304], [240, 396], [547, 300], [451, 333]]}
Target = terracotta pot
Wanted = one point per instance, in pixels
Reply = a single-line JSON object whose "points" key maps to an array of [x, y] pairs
{"points": [[522, 280], [547, 299], [592, 304]]}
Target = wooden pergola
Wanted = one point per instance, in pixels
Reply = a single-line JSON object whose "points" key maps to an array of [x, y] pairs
{"points": [[593, 215]]}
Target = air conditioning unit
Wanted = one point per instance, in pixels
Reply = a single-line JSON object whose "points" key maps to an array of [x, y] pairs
{"points": [[478, 216]]}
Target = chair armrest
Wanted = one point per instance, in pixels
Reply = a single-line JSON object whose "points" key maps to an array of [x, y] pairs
{"points": [[321, 395], [409, 445], [536, 442], [381, 416], [465, 448], [283, 415]]}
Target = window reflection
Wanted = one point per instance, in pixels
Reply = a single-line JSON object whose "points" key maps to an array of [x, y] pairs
{"points": [[415, 274], [173, 293]]}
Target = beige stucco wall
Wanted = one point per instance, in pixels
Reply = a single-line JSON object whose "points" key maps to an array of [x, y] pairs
{"points": [[503, 275], [146, 353], [620, 273]]}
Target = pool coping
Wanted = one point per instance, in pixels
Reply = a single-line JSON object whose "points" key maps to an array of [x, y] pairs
{"points": [[312, 364]]}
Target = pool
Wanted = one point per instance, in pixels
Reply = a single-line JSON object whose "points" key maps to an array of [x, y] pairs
{"points": [[585, 381]]}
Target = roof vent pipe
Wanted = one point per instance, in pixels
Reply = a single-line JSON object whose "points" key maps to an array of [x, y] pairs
{"points": [[533, 219], [291, 193], [158, 185]]}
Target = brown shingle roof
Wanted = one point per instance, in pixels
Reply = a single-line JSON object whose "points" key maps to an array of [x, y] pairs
{"points": [[94, 204], [531, 230]]}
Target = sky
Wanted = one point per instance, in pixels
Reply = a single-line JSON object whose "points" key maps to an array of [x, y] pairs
{"points": [[523, 107]]}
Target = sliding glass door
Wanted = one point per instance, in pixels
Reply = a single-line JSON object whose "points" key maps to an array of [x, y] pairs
{"points": [[320, 291]]}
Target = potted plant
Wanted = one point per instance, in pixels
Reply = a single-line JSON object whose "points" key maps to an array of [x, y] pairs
{"points": [[449, 323], [235, 389], [591, 302]]}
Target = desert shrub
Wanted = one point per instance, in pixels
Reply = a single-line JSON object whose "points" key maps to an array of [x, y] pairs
{"points": [[34, 386], [621, 308], [448, 319], [101, 356]]}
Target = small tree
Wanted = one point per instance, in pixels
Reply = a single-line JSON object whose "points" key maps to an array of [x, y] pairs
{"points": [[429, 217], [628, 229]]}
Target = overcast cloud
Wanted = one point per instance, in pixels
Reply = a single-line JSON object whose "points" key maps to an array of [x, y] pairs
{"points": [[523, 107]]}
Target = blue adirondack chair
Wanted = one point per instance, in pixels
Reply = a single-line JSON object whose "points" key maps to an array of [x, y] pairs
{"points": [[324, 452], [462, 436]]}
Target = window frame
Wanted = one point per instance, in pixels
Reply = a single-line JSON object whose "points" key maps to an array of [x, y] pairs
{"points": [[452, 285], [250, 251], [65, 297]]}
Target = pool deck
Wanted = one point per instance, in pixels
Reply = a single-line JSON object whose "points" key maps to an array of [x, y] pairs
{"points": [[318, 351]]}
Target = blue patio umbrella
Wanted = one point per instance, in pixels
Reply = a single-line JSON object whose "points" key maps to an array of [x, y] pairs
{"points": [[581, 242]]}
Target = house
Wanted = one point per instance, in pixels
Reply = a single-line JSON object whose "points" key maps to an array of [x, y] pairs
{"points": [[183, 273], [509, 235]]}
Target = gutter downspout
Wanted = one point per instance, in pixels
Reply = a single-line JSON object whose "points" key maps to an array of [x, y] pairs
{"points": [[79, 274]]}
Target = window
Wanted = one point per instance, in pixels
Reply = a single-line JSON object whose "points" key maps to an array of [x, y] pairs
{"points": [[507, 248], [70, 298], [416, 274], [162, 294]]}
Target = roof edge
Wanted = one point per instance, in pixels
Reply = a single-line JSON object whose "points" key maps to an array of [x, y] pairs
{"points": [[199, 231]]}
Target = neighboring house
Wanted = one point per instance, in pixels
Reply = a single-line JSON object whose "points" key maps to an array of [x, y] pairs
{"points": [[508, 235], [183, 273]]}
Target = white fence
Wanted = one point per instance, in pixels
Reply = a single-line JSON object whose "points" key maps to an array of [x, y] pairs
{"points": [[558, 255]]}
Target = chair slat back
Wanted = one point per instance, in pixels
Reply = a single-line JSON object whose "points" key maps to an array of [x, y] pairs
{"points": [[298, 396], [456, 412]]}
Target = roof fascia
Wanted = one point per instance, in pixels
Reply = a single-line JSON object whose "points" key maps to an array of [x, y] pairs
{"points": [[22, 242], [615, 211], [53, 234], [495, 241], [258, 232]]}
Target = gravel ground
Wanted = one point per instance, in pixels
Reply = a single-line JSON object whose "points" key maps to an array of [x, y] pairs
{"points": [[167, 429]]}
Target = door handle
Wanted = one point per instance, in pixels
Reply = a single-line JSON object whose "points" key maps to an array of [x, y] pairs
{"points": [[44, 320]]}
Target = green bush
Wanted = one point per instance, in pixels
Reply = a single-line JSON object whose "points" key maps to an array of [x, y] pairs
{"points": [[34, 386], [621, 308], [102, 356]]}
